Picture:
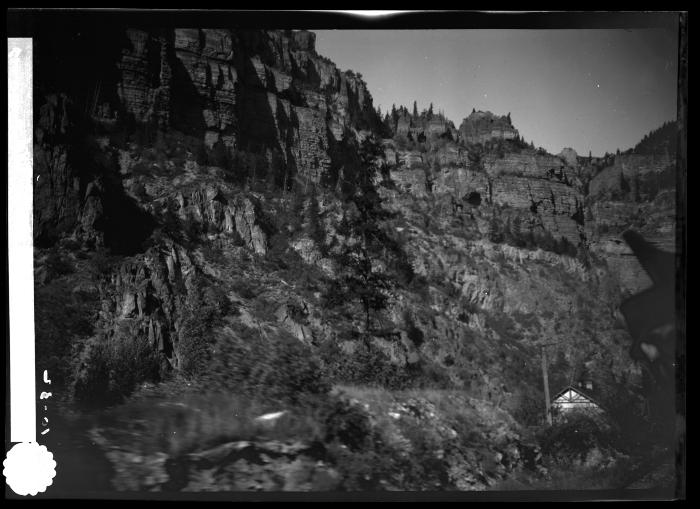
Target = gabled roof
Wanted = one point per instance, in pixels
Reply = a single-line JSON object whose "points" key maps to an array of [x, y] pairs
{"points": [[578, 391]]}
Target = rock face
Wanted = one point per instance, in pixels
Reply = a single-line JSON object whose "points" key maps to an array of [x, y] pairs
{"points": [[273, 92], [530, 165], [217, 210], [59, 194], [570, 156], [545, 203], [483, 126], [553, 206], [144, 85]]}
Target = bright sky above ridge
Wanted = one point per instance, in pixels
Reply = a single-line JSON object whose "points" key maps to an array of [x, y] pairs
{"points": [[592, 89]]}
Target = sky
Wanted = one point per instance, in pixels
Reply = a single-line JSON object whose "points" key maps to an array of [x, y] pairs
{"points": [[589, 89]]}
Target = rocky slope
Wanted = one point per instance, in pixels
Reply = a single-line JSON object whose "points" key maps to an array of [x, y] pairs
{"points": [[196, 202]]}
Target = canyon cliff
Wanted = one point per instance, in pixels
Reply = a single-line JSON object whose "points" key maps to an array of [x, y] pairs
{"points": [[225, 210]]}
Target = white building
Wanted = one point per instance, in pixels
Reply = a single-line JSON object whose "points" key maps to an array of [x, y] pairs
{"points": [[575, 399]]}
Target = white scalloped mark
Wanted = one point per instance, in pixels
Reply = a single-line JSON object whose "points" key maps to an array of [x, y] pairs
{"points": [[29, 468]]}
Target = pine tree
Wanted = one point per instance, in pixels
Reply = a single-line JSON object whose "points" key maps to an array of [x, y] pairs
{"points": [[315, 228], [624, 184], [508, 232], [296, 207], [359, 280], [516, 231], [280, 170], [495, 233], [430, 112], [388, 126], [415, 109], [637, 186]]}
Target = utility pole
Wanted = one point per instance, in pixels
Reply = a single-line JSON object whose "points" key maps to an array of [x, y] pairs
{"points": [[545, 379], [546, 386]]}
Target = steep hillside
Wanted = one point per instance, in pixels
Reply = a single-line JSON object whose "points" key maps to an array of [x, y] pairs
{"points": [[663, 140], [246, 279]]}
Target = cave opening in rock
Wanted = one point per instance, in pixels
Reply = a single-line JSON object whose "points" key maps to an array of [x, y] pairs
{"points": [[124, 224], [474, 198]]}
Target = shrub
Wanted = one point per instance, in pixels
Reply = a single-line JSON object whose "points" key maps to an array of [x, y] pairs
{"points": [[70, 244], [367, 365], [270, 367], [414, 333], [214, 297], [57, 265], [292, 371], [347, 424], [246, 289], [264, 310], [370, 458], [420, 285], [423, 470], [192, 347], [113, 364], [206, 304], [401, 142], [501, 323], [526, 320], [62, 317], [214, 253], [572, 439], [139, 190]]}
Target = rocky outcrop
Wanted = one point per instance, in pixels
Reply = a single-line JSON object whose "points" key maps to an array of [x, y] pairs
{"points": [[423, 126], [410, 159], [570, 156], [151, 290], [218, 210], [483, 126]]}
